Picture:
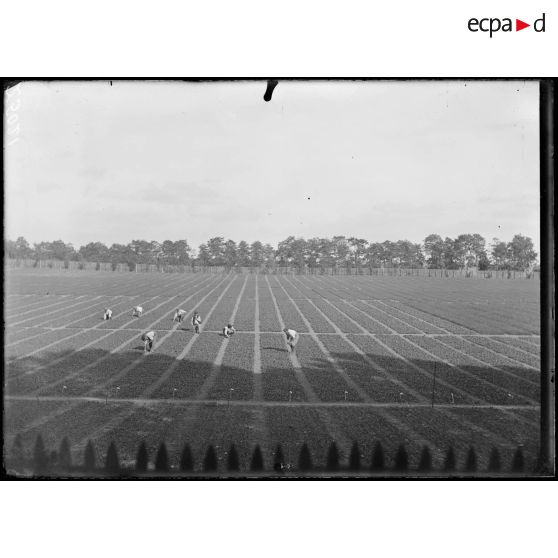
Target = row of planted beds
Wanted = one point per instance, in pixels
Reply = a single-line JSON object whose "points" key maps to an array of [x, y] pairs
{"points": [[45, 463]]}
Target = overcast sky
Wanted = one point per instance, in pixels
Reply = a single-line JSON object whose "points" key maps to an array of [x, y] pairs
{"points": [[377, 160]]}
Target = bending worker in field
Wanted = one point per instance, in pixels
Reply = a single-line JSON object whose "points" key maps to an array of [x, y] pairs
{"points": [[179, 316], [292, 338], [148, 340], [137, 311], [228, 330], [196, 321], [108, 314]]}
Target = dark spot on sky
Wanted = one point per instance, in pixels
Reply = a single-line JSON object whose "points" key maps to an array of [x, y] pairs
{"points": [[271, 84], [308, 198]]}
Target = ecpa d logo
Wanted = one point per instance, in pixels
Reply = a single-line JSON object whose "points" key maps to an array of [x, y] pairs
{"points": [[492, 25]]}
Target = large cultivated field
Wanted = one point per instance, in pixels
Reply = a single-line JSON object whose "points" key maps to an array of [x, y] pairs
{"points": [[419, 361]]}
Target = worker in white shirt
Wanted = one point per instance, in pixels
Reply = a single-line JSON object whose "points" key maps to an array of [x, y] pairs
{"points": [[148, 339], [196, 321], [137, 311], [108, 314], [228, 330], [292, 338], [179, 315]]}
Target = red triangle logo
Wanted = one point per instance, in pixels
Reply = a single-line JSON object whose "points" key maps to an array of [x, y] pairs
{"points": [[519, 25]]}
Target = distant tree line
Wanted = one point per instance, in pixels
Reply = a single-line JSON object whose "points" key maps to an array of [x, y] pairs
{"points": [[466, 250]]}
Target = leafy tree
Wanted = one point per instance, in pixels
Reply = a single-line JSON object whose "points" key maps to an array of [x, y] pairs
{"points": [[522, 252], [468, 249], [168, 253], [204, 257], [230, 253], [305, 459], [354, 457], [434, 250], [378, 461], [449, 462], [425, 463], [292, 251], [471, 461], [268, 253], [143, 251], [518, 463], [64, 455], [112, 464], [216, 249], [332, 463], [94, 252], [142, 458], [187, 459], [89, 457], [499, 253], [401, 459], [257, 463], [232, 459], [10, 249], [391, 255], [327, 251], [494, 464], [375, 255], [162, 459], [56, 250], [313, 252], [342, 252], [183, 252], [357, 247], [243, 254], [40, 457], [18, 249], [210, 460], [484, 262], [256, 254], [451, 254]]}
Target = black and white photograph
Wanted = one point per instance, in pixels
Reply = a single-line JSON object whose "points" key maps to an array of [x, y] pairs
{"points": [[275, 279]]}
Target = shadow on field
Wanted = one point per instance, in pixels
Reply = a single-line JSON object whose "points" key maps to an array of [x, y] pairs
{"points": [[130, 397]]}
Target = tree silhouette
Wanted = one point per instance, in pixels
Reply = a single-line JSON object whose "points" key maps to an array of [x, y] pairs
{"points": [[471, 461], [494, 464], [232, 459], [142, 458], [518, 463], [112, 465], [257, 463], [449, 462], [210, 460], [186, 460], [354, 458], [425, 462], [40, 457], [162, 459], [378, 461], [332, 463], [401, 463], [278, 459], [89, 457], [304, 458]]}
